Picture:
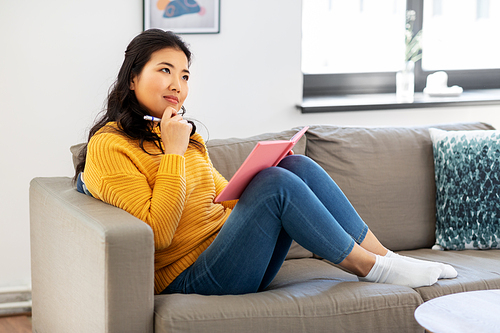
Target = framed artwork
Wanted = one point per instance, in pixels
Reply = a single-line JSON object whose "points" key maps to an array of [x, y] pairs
{"points": [[183, 16]]}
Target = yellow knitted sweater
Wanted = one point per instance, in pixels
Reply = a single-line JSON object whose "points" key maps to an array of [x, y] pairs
{"points": [[173, 194]]}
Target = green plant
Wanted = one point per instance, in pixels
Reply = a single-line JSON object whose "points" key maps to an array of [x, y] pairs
{"points": [[413, 43]]}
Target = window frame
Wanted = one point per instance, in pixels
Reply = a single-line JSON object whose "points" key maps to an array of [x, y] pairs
{"points": [[385, 82]]}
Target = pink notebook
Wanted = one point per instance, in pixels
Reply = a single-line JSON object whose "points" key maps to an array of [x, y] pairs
{"points": [[264, 155]]}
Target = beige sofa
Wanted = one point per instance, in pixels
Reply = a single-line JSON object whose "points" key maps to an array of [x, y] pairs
{"points": [[92, 264]]}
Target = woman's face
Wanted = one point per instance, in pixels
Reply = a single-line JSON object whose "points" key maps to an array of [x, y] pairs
{"points": [[162, 84]]}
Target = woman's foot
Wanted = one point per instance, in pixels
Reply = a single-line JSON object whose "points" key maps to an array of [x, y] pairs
{"points": [[402, 272], [447, 271]]}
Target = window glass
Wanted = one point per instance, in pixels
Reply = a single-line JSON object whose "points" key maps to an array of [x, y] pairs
{"points": [[352, 36], [461, 34]]}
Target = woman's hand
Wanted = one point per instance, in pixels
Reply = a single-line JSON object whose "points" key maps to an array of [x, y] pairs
{"points": [[175, 132]]}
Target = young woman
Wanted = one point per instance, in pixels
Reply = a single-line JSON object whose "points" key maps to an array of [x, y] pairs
{"points": [[161, 173]]}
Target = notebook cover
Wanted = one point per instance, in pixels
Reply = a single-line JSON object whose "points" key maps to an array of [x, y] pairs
{"points": [[264, 155]]}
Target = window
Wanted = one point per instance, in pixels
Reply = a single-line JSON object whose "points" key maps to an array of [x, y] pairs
{"points": [[328, 48], [356, 46], [460, 37]]}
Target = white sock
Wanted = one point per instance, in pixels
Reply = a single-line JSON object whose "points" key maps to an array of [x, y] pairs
{"points": [[447, 271], [402, 272]]}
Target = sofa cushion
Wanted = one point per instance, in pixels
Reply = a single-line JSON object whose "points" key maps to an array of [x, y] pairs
{"points": [[467, 169], [307, 295], [75, 153], [387, 174], [477, 270]]}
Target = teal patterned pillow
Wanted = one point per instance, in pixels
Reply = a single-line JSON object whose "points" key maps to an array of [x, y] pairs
{"points": [[467, 171]]}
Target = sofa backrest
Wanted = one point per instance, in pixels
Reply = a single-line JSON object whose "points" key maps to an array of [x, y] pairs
{"points": [[387, 174]]}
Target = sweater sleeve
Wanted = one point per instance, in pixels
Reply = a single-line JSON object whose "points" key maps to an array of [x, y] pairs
{"points": [[112, 176]]}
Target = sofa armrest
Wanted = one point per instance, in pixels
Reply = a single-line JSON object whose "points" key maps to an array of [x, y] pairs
{"points": [[92, 264]]}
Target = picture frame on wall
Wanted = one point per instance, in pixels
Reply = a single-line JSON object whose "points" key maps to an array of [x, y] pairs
{"points": [[183, 16]]}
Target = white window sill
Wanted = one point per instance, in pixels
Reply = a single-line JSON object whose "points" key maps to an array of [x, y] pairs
{"points": [[365, 102]]}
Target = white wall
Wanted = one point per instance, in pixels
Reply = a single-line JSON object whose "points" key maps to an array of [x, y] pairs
{"points": [[59, 57], [57, 60]]}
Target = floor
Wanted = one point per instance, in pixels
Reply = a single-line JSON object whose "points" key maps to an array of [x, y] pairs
{"points": [[15, 324]]}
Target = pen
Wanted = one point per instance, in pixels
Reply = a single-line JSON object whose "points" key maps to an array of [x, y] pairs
{"points": [[151, 118], [157, 120]]}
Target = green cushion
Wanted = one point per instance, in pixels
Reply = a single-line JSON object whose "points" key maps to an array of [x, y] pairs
{"points": [[467, 172]]}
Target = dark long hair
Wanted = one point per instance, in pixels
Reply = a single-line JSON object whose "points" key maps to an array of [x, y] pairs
{"points": [[122, 105]]}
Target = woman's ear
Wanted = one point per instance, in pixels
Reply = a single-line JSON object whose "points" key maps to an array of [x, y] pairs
{"points": [[132, 83]]}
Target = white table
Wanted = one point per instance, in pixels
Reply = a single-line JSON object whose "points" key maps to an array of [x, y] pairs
{"points": [[473, 311]]}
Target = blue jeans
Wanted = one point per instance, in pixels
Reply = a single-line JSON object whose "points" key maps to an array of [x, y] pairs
{"points": [[295, 200]]}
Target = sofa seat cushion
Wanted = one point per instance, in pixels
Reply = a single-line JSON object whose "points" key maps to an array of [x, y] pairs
{"points": [[477, 270], [388, 175], [307, 295]]}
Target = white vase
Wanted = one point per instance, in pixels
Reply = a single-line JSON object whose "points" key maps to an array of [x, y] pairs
{"points": [[405, 83]]}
